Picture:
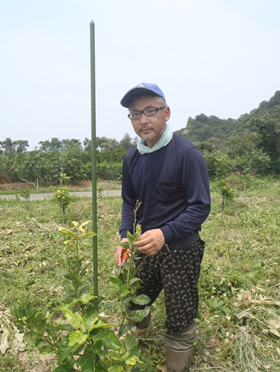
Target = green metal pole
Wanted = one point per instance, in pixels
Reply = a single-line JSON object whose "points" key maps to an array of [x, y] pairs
{"points": [[93, 159]]}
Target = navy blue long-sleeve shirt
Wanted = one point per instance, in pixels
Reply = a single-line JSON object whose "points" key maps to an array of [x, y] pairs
{"points": [[173, 185]]}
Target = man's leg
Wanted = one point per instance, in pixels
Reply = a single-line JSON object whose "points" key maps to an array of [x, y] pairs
{"points": [[180, 274], [149, 273]]}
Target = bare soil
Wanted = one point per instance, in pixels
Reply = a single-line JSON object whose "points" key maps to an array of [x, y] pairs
{"points": [[12, 186], [35, 362]]}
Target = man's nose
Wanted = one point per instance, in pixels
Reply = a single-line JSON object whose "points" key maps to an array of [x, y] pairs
{"points": [[143, 119]]}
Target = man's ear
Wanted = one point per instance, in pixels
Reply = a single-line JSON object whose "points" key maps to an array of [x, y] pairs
{"points": [[167, 113]]}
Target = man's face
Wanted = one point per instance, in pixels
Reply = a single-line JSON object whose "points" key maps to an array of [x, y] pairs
{"points": [[151, 128]]}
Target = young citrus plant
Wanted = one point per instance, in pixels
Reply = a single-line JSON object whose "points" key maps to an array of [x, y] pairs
{"points": [[62, 196], [126, 285], [75, 333]]}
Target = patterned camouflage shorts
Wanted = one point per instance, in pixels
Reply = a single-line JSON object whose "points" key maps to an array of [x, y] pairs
{"points": [[177, 274]]}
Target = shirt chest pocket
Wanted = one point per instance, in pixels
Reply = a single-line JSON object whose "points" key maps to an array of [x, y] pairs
{"points": [[167, 191]]}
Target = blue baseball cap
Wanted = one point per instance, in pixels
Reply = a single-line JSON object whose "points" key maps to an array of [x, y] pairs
{"points": [[141, 88]]}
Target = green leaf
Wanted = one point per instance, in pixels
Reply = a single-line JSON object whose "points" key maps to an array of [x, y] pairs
{"points": [[64, 368], [113, 341], [125, 328], [77, 338], [127, 301], [75, 320], [132, 361], [46, 349], [140, 314], [125, 245], [87, 235], [130, 342], [100, 324], [63, 350], [62, 272], [115, 369], [70, 233], [96, 347], [115, 282], [82, 225], [90, 319], [130, 238], [124, 291], [66, 242], [141, 300], [111, 304], [88, 364], [134, 280], [85, 298]]}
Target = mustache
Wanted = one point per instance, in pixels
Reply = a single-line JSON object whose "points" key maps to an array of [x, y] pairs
{"points": [[145, 128]]}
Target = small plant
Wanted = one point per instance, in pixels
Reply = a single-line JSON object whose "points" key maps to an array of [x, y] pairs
{"points": [[223, 166], [26, 193], [62, 195], [227, 192], [79, 337], [126, 285], [100, 191]]}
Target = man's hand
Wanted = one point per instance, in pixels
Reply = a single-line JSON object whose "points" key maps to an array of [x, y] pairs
{"points": [[119, 252], [150, 242]]}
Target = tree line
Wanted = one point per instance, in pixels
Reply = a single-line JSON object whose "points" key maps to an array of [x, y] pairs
{"points": [[248, 145], [71, 156], [8, 146]]}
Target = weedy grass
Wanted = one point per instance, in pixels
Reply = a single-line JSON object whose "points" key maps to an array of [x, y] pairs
{"points": [[239, 318]]}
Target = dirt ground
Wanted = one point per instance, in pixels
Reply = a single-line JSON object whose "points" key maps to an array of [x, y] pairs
{"points": [[12, 343], [35, 362], [12, 186]]}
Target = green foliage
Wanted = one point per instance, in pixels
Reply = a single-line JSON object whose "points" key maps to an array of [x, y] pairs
{"points": [[126, 285], [26, 193], [251, 144], [109, 171], [79, 337], [268, 128], [227, 192], [45, 164], [238, 286], [239, 303], [74, 269], [219, 165], [223, 166], [202, 127], [113, 156], [62, 196], [126, 142], [9, 147]]}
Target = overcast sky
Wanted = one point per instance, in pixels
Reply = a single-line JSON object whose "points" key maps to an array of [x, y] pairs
{"points": [[217, 57]]}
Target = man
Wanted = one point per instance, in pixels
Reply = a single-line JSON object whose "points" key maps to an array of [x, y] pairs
{"points": [[169, 176]]}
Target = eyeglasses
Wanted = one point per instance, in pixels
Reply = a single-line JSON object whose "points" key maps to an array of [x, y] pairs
{"points": [[151, 111]]}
